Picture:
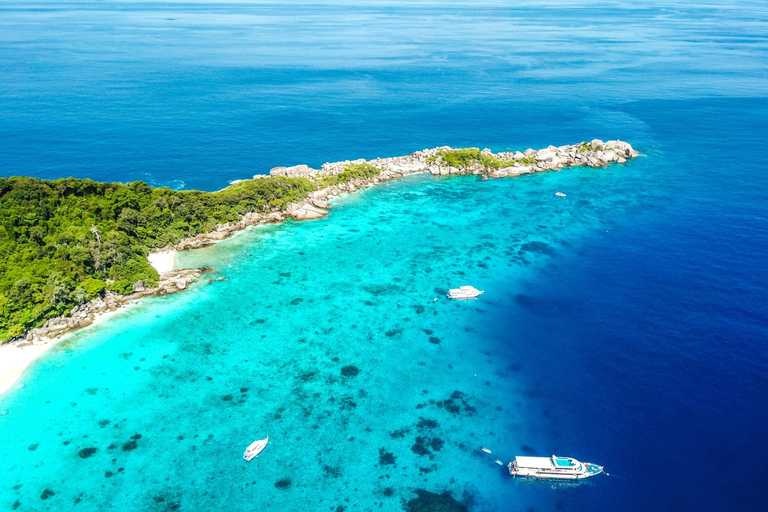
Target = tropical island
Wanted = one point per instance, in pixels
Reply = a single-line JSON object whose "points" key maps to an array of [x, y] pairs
{"points": [[75, 248]]}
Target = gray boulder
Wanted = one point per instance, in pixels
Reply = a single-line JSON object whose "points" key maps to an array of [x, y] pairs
{"points": [[297, 171], [305, 211]]}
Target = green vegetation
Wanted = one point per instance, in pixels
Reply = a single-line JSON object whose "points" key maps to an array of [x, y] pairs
{"points": [[65, 241], [350, 172], [586, 146], [527, 160], [463, 158]]}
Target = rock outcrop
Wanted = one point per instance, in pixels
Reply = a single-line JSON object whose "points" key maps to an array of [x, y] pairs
{"points": [[306, 210], [297, 171]]}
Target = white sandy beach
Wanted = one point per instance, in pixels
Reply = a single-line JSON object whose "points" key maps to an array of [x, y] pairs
{"points": [[162, 261], [14, 360]]}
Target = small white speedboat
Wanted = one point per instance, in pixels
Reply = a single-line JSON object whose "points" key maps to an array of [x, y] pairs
{"points": [[559, 194], [464, 292], [255, 448]]}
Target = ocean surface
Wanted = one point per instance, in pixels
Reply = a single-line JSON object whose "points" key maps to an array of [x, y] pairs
{"points": [[625, 324]]}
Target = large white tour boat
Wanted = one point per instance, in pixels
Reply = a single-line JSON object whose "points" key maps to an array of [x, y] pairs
{"points": [[464, 292], [561, 468]]}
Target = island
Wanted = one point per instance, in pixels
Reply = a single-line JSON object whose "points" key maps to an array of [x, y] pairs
{"points": [[75, 249]]}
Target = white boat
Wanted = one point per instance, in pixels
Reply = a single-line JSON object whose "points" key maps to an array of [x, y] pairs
{"points": [[559, 194], [559, 468], [255, 448], [464, 292]]}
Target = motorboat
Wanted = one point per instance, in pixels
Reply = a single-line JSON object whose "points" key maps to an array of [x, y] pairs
{"points": [[255, 448]]}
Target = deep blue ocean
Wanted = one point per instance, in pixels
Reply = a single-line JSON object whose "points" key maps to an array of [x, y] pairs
{"points": [[625, 325]]}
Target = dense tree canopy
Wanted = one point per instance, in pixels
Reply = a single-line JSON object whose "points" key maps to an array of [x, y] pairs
{"points": [[65, 241]]}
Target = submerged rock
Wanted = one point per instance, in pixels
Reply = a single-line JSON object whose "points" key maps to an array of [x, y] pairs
{"points": [[426, 501], [457, 404], [350, 371], [86, 452], [426, 423], [399, 433], [420, 447], [130, 446], [283, 483], [332, 472], [386, 458]]}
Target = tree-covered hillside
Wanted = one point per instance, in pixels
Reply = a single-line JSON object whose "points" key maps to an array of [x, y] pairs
{"points": [[65, 241]]}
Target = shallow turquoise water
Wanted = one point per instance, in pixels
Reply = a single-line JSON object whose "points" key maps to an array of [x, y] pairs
{"points": [[201, 374]]}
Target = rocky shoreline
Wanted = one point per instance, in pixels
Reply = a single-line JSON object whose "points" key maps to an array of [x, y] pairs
{"points": [[595, 153], [85, 314]]}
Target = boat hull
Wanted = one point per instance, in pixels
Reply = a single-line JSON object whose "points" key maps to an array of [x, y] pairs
{"points": [[556, 477], [255, 449], [549, 468]]}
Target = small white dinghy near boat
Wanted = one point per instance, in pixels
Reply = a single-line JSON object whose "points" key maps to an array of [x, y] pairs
{"points": [[559, 194], [255, 448], [464, 292]]}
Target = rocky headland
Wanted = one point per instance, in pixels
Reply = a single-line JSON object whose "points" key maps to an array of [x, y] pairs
{"points": [[436, 161], [333, 180]]}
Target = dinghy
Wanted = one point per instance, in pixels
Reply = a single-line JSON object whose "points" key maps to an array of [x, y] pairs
{"points": [[255, 448]]}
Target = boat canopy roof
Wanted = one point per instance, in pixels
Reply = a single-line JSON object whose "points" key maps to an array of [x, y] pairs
{"points": [[534, 462]]}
